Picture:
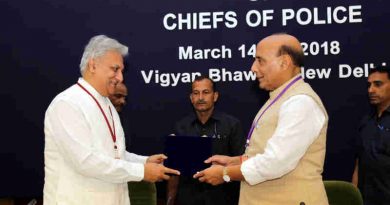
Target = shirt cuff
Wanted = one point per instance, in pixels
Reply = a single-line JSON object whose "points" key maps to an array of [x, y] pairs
{"points": [[142, 159], [248, 170], [137, 171]]}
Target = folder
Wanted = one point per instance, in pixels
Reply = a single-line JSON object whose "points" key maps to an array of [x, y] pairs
{"points": [[187, 153]]}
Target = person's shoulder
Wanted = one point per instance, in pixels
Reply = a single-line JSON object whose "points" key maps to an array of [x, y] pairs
{"points": [[70, 96], [188, 118], [301, 98], [59, 100], [184, 124], [224, 116], [365, 119], [301, 101], [386, 112]]}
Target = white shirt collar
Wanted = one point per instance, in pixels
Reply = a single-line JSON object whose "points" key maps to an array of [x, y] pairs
{"points": [[93, 91]]}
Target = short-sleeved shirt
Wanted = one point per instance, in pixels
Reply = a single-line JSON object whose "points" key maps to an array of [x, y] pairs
{"points": [[228, 140], [374, 158]]}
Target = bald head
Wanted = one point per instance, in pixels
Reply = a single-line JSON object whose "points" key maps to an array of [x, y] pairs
{"points": [[278, 59], [286, 44], [283, 39]]}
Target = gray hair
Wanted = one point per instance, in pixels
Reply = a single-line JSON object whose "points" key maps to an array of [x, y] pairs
{"points": [[98, 46]]}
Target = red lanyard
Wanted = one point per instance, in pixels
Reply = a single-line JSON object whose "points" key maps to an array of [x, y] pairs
{"points": [[112, 130]]}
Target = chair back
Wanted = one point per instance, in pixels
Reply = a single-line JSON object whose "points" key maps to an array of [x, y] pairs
{"points": [[142, 193], [342, 193]]}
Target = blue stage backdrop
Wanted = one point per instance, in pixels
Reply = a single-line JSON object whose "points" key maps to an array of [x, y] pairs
{"points": [[171, 41]]}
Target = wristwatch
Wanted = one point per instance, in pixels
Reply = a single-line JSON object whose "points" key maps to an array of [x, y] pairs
{"points": [[225, 176]]}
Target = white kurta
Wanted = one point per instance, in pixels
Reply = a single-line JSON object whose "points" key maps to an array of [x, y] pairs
{"points": [[80, 164]]}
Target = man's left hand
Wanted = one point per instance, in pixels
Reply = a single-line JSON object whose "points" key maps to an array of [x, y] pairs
{"points": [[212, 175], [157, 158]]}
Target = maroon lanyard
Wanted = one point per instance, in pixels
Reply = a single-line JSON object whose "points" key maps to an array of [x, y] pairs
{"points": [[112, 130]]}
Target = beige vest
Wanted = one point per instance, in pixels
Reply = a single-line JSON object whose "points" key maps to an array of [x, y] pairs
{"points": [[304, 183]]}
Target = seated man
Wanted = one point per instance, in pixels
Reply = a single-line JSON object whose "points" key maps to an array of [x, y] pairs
{"points": [[228, 140]]}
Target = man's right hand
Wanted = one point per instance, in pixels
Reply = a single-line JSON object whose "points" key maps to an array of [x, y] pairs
{"points": [[223, 160], [157, 172]]}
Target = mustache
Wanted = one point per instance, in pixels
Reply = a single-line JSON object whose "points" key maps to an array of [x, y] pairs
{"points": [[372, 95], [200, 102]]}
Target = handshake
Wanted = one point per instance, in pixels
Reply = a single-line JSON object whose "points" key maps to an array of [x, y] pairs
{"points": [[156, 171]]}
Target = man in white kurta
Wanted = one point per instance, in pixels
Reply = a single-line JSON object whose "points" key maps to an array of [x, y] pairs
{"points": [[86, 161]]}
